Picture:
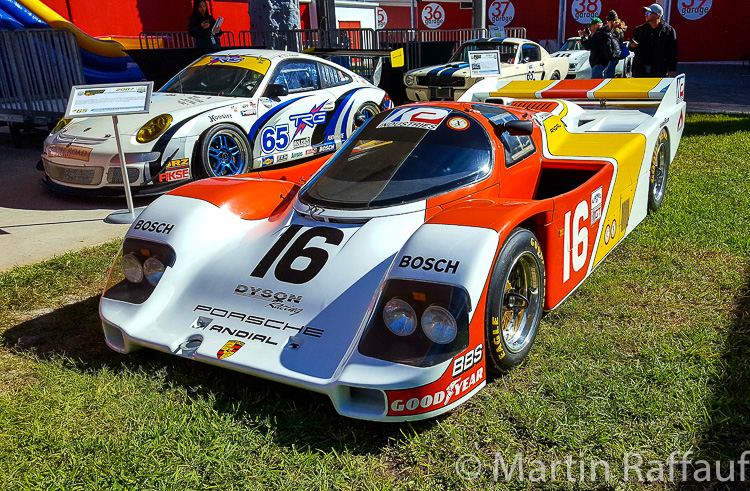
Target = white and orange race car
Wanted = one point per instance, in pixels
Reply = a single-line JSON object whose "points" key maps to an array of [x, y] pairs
{"points": [[397, 274]]}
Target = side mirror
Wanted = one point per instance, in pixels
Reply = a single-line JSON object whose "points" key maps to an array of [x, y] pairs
{"points": [[519, 127], [515, 127], [275, 90]]}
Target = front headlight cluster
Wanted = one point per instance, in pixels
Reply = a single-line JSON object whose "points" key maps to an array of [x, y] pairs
{"points": [[437, 323], [410, 80], [417, 323], [154, 128], [60, 125], [138, 268]]}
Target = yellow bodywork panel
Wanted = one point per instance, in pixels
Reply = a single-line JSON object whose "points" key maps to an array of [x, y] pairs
{"points": [[254, 63]]}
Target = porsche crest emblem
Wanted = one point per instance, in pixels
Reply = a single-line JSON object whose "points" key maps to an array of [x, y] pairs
{"points": [[229, 349]]}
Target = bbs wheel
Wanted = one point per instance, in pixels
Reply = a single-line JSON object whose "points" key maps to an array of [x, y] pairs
{"points": [[366, 112], [515, 301], [224, 151], [659, 169]]}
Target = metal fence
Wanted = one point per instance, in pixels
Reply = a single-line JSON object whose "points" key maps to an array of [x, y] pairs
{"points": [[38, 67], [178, 39], [361, 39]]}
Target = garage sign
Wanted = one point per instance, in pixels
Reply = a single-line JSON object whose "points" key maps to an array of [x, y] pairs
{"points": [[584, 10], [433, 15]]}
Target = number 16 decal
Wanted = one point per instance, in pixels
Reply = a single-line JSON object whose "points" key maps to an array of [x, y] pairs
{"points": [[299, 249], [578, 251]]}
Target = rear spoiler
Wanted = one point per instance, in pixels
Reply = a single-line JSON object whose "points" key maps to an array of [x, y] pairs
{"points": [[396, 56], [623, 92]]}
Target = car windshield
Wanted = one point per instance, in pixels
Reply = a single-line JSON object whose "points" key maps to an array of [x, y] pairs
{"points": [[507, 51], [405, 155], [572, 45], [231, 76]]}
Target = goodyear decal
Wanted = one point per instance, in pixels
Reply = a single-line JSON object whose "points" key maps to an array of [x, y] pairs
{"points": [[261, 121], [254, 63]]}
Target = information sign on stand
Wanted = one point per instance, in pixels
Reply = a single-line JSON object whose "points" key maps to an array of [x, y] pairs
{"points": [[112, 100], [484, 63]]}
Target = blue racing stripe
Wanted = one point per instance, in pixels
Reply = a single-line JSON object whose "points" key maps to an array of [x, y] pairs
{"points": [[331, 128], [450, 71], [264, 119], [435, 71]]}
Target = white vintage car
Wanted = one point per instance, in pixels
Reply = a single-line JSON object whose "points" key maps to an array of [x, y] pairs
{"points": [[520, 59], [225, 114], [578, 60]]}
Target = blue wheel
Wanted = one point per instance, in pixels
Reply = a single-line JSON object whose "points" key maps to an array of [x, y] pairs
{"points": [[225, 151]]}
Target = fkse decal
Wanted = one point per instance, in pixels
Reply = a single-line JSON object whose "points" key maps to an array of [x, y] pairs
{"points": [[436, 395], [176, 170], [149, 226], [422, 118], [253, 320], [308, 119], [429, 264]]}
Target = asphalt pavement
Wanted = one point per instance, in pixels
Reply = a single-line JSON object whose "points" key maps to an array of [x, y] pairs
{"points": [[36, 225]]}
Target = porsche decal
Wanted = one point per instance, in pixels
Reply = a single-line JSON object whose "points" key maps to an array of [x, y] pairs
{"points": [[229, 349]]}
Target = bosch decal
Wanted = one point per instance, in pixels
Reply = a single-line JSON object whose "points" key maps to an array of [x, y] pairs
{"points": [[430, 263], [326, 148], [149, 226]]}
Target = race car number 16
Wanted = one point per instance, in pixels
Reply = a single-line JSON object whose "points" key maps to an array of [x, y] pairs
{"points": [[299, 249]]}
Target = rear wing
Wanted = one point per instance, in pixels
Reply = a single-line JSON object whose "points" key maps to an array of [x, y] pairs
{"points": [[654, 93]]}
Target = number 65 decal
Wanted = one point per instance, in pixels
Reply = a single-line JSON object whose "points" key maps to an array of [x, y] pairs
{"points": [[299, 249]]}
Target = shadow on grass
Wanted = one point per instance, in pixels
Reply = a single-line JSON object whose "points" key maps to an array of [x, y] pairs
{"points": [[728, 434], [297, 417], [718, 125]]}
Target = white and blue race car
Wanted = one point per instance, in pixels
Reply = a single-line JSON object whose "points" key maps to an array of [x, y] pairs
{"points": [[225, 114], [578, 60]]}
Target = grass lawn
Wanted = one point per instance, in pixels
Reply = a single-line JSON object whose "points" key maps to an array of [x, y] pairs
{"points": [[650, 356]]}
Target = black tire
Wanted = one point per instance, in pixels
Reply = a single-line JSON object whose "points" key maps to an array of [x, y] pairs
{"points": [[515, 301], [223, 151], [657, 184], [555, 75], [369, 110]]}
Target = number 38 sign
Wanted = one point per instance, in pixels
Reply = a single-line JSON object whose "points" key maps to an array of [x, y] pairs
{"points": [[584, 10]]}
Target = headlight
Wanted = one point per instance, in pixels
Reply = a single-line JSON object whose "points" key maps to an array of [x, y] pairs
{"points": [[138, 259], [399, 317], [153, 269], [409, 80], [132, 269], [439, 325], [154, 128], [61, 124]]}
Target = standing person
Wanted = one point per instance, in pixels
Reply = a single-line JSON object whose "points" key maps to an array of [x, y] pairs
{"points": [[594, 38], [201, 27], [655, 46], [618, 29]]}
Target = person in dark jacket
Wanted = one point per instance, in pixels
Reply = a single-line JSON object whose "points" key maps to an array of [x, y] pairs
{"points": [[201, 25], [655, 46], [618, 29], [594, 38]]}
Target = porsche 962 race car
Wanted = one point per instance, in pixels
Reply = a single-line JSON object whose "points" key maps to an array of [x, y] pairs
{"points": [[225, 114], [397, 274]]}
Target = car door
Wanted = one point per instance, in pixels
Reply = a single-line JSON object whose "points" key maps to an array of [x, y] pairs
{"points": [[288, 118], [531, 56]]}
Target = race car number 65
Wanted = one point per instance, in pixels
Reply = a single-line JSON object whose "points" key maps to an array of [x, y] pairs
{"points": [[299, 249]]}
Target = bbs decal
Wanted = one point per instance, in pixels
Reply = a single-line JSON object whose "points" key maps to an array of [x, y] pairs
{"points": [[300, 248]]}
